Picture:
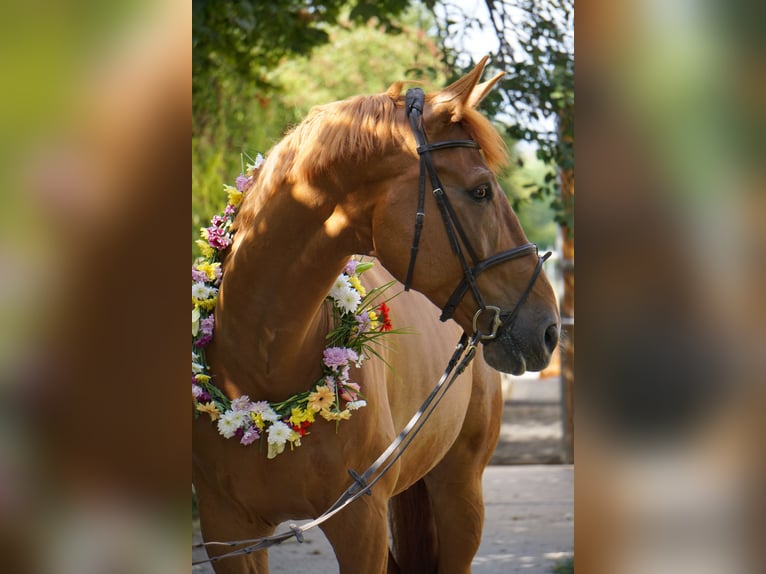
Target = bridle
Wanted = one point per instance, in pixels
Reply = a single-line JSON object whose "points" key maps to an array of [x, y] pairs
{"points": [[414, 101]]}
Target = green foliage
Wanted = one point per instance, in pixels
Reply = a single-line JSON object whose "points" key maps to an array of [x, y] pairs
{"points": [[535, 99], [564, 567]]}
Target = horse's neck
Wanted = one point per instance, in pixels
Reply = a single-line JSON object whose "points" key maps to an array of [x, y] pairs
{"points": [[271, 321]]}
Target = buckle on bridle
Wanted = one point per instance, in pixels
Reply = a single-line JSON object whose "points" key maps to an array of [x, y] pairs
{"points": [[495, 323]]}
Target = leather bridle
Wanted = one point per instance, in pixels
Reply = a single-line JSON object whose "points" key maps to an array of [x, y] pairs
{"points": [[414, 102]]}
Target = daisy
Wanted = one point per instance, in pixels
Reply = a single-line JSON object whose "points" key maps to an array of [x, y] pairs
{"points": [[201, 291], [340, 286]]}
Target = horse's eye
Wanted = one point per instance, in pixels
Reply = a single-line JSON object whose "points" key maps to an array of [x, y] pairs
{"points": [[481, 192]]}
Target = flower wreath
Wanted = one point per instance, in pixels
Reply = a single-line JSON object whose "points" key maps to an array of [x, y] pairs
{"points": [[359, 321]]}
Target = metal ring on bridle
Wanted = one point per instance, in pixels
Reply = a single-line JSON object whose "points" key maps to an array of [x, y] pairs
{"points": [[494, 323]]}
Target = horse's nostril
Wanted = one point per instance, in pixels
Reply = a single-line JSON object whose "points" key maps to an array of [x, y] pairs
{"points": [[551, 338]]}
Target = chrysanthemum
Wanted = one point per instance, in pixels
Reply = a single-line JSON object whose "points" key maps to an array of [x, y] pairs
{"points": [[321, 399], [357, 285], [340, 286], [349, 300], [279, 432], [201, 291], [241, 403], [228, 423]]}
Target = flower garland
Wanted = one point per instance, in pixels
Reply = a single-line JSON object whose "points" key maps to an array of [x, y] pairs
{"points": [[359, 321]]}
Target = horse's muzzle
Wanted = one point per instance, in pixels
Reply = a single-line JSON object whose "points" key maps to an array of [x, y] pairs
{"points": [[520, 347]]}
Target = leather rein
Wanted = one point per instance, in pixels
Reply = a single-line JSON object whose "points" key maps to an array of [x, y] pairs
{"points": [[414, 102]]}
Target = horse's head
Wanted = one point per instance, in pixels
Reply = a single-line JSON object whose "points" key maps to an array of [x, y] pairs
{"points": [[472, 257]]}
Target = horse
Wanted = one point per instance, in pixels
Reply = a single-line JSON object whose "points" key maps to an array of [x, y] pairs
{"points": [[346, 181]]}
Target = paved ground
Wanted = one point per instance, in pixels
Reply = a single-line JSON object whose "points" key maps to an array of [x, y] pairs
{"points": [[529, 501]]}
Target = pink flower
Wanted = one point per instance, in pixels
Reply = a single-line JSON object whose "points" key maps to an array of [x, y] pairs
{"points": [[218, 221], [229, 209], [217, 238], [197, 391], [350, 392]]}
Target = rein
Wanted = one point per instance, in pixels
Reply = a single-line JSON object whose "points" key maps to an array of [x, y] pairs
{"points": [[414, 102], [464, 352]]}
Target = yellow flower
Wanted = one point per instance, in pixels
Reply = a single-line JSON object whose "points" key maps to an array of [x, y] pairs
{"points": [[207, 304], [257, 420], [373, 320], [202, 378], [211, 409], [356, 284], [208, 269], [328, 415], [205, 249], [321, 399], [235, 196], [299, 415]]}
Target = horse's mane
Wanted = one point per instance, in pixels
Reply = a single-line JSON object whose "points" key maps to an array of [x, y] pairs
{"points": [[352, 130]]}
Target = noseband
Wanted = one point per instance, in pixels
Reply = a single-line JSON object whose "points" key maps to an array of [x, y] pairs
{"points": [[414, 101]]}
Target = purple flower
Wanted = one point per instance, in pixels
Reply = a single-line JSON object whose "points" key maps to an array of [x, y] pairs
{"points": [[350, 267], [241, 403], [363, 321], [335, 357], [198, 276], [203, 341], [206, 325], [242, 182], [250, 435], [197, 391], [330, 382], [204, 397]]}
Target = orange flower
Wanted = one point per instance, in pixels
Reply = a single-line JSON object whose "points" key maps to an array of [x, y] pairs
{"points": [[210, 409], [321, 399]]}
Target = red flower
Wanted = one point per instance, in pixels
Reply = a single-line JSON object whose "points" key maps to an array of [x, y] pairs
{"points": [[384, 313]]}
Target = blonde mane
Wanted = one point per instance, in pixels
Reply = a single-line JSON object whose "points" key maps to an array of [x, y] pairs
{"points": [[352, 130]]}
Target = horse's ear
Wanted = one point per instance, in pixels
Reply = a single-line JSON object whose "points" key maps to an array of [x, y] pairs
{"points": [[480, 92], [465, 92]]}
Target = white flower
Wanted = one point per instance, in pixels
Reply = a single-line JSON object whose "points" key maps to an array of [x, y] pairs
{"points": [[355, 405], [349, 300], [201, 291], [279, 432], [228, 424], [197, 368], [268, 414], [340, 286]]}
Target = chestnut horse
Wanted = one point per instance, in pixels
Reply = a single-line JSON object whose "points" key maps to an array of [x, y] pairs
{"points": [[346, 181]]}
